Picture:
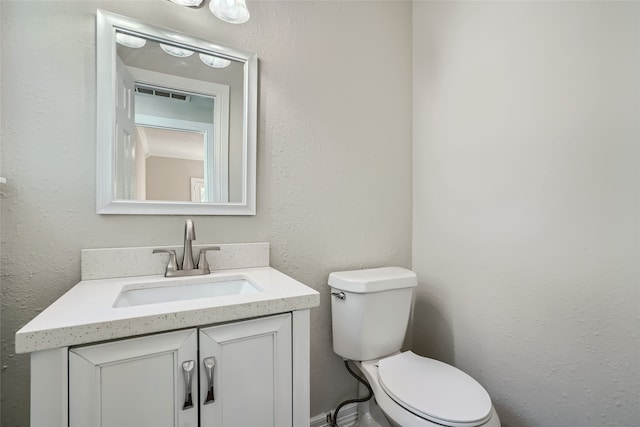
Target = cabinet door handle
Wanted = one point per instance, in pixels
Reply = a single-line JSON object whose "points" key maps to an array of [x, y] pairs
{"points": [[209, 363], [187, 370]]}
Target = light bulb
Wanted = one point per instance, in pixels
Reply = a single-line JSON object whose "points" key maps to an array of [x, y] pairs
{"points": [[231, 11], [130, 41], [214, 61], [176, 51], [190, 3]]}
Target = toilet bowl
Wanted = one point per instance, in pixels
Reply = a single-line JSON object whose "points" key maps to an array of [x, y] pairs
{"points": [[466, 404], [370, 312]]}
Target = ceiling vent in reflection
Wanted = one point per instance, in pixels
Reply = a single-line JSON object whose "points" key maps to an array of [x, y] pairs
{"points": [[163, 93]]}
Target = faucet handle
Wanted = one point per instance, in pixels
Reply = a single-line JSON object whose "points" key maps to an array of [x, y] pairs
{"points": [[202, 257], [172, 265]]}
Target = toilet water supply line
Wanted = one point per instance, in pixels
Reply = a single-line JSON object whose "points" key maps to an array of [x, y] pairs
{"points": [[333, 419]]}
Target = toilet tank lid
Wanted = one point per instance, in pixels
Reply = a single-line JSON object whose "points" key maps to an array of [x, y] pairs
{"points": [[373, 279]]}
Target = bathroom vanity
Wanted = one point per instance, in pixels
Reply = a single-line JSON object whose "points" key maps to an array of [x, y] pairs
{"points": [[227, 349], [129, 347]]}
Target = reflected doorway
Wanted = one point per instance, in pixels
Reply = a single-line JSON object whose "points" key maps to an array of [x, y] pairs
{"points": [[172, 161]]}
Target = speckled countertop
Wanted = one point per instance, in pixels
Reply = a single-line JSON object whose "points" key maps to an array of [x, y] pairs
{"points": [[85, 314]]}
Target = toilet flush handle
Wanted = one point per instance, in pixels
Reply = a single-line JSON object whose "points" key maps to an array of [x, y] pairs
{"points": [[340, 295]]}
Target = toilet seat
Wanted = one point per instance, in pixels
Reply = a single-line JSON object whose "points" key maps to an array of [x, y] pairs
{"points": [[434, 390]]}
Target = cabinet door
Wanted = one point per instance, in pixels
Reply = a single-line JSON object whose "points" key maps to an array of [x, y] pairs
{"points": [[251, 374], [137, 382]]}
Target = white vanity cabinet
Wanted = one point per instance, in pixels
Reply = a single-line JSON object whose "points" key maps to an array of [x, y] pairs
{"points": [[230, 375], [252, 375], [95, 363], [132, 382]]}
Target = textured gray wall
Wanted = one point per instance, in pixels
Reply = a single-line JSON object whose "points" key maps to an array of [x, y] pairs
{"points": [[1, 132], [334, 156], [527, 204]]}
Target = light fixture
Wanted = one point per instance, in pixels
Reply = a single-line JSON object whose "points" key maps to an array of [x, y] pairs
{"points": [[176, 51], [130, 41], [190, 3], [214, 61], [231, 11]]}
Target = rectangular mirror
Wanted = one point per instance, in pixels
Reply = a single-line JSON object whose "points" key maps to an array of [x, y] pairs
{"points": [[176, 122]]}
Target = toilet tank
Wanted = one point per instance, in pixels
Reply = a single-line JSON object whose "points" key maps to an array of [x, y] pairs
{"points": [[371, 320]]}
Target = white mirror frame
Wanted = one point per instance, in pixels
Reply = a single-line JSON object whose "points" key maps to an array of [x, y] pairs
{"points": [[106, 26]]}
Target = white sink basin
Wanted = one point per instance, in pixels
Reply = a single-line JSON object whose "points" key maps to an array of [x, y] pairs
{"points": [[160, 293]]}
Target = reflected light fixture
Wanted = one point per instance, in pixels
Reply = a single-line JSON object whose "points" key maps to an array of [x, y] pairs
{"points": [[231, 11], [190, 3], [176, 51], [130, 41], [214, 61]]}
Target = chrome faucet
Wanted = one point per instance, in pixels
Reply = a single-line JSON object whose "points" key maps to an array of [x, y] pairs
{"points": [[189, 236], [188, 266]]}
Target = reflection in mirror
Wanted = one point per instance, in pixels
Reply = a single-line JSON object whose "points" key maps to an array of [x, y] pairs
{"points": [[171, 160], [176, 130]]}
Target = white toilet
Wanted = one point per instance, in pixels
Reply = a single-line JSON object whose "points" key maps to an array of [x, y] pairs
{"points": [[370, 312]]}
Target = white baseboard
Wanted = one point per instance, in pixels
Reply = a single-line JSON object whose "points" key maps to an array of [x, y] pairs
{"points": [[347, 417]]}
